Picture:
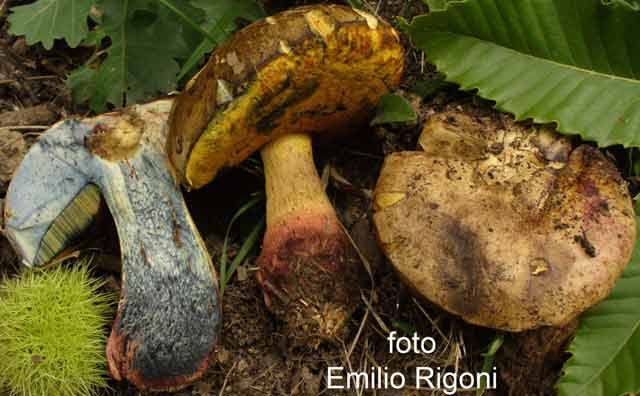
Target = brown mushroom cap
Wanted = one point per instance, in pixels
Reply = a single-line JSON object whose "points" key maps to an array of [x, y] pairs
{"points": [[319, 68], [504, 225]]}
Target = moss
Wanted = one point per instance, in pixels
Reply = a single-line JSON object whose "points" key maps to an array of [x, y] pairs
{"points": [[52, 333]]}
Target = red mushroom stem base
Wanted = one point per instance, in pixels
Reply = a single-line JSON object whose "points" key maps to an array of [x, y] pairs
{"points": [[308, 268]]}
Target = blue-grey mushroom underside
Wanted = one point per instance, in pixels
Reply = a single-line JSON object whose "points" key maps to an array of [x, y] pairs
{"points": [[168, 315]]}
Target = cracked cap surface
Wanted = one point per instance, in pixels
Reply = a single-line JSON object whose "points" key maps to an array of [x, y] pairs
{"points": [[319, 68], [507, 226]]}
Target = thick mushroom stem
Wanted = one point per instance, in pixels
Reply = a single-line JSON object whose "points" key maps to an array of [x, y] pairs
{"points": [[168, 317], [308, 269]]}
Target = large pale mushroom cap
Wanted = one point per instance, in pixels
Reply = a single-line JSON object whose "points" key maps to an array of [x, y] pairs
{"points": [[506, 226]]}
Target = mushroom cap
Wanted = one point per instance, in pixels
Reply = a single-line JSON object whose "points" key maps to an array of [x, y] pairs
{"points": [[319, 68], [48, 185], [504, 225]]}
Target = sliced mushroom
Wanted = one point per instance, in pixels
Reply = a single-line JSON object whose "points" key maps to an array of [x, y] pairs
{"points": [[314, 69], [168, 316], [505, 225]]}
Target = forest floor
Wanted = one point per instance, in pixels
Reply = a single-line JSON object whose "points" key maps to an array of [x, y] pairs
{"points": [[253, 357]]}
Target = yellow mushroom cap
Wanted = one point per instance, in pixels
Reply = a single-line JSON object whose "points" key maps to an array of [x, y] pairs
{"points": [[319, 68]]}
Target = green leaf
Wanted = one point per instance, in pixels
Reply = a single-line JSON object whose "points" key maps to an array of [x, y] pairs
{"points": [[226, 273], [80, 82], [46, 20], [220, 22], [633, 4], [355, 4], [605, 357], [403, 326], [427, 88], [95, 37], [574, 62], [249, 243], [487, 364], [436, 5], [187, 19], [394, 108], [146, 40]]}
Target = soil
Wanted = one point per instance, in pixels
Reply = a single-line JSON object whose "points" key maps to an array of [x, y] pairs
{"points": [[253, 357]]}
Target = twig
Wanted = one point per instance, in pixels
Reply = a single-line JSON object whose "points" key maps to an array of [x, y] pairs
{"points": [[253, 381], [31, 78], [358, 334], [34, 134], [377, 317], [295, 388], [433, 323], [226, 377]]}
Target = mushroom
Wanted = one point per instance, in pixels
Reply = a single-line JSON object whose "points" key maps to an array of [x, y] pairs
{"points": [[505, 225], [313, 69], [168, 316]]}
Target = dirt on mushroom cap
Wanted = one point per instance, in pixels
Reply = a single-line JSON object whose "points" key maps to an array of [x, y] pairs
{"points": [[310, 69], [504, 225]]}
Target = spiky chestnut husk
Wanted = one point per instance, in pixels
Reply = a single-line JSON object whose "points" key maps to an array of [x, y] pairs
{"points": [[309, 271], [52, 336]]}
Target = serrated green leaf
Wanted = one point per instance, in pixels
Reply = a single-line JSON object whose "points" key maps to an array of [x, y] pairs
{"points": [[573, 62], [46, 20], [605, 357], [393, 108], [146, 40], [94, 38], [220, 22]]}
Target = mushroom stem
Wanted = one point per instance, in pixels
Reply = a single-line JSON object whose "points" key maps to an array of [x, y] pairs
{"points": [[292, 182], [168, 317], [308, 269]]}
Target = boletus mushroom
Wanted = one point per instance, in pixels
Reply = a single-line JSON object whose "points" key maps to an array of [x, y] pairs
{"points": [[311, 70], [168, 316], [507, 226]]}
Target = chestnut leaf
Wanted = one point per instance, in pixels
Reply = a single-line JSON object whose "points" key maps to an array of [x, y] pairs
{"points": [[606, 350], [575, 63], [147, 39], [46, 20]]}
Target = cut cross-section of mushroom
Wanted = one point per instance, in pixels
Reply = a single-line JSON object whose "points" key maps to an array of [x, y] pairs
{"points": [[505, 225], [312, 70], [168, 316]]}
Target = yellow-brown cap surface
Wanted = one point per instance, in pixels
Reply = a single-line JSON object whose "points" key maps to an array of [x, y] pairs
{"points": [[318, 68]]}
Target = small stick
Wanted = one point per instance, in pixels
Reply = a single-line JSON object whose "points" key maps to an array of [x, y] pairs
{"points": [[31, 78], [226, 378]]}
